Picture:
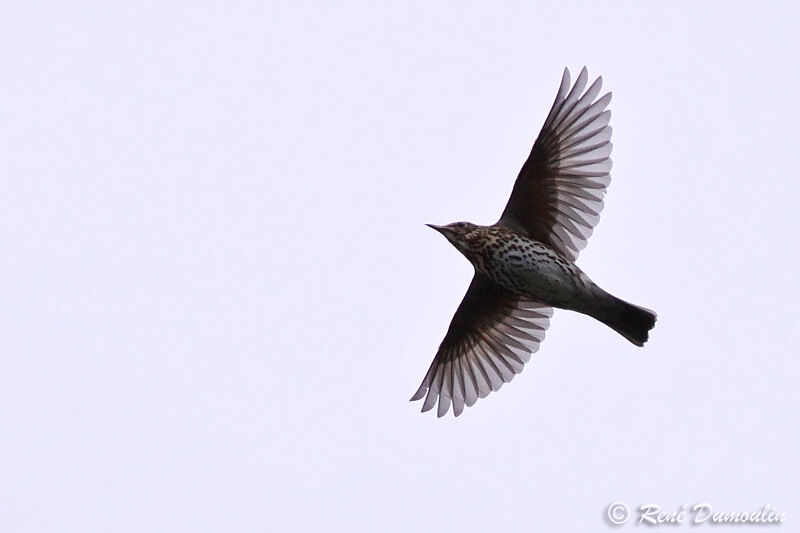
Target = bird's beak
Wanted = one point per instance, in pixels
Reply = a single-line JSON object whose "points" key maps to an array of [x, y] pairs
{"points": [[440, 229]]}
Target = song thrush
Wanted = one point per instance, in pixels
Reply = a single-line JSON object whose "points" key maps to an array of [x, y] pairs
{"points": [[524, 263]]}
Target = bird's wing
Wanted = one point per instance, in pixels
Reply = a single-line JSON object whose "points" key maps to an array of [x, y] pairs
{"points": [[492, 335], [559, 192]]}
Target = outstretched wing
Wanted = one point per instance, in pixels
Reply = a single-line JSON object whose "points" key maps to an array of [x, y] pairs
{"points": [[559, 192], [492, 335]]}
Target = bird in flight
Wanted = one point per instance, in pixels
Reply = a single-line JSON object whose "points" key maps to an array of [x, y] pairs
{"points": [[525, 262]]}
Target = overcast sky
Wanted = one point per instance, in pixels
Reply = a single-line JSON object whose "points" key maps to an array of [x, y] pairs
{"points": [[217, 293]]}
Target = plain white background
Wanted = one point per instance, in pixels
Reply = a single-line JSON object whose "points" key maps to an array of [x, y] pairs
{"points": [[217, 293]]}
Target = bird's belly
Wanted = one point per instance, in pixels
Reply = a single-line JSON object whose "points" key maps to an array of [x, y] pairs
{"points": [[543, 277]]}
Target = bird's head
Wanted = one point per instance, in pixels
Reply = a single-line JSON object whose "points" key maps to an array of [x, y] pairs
{"points": [[465, 236]]}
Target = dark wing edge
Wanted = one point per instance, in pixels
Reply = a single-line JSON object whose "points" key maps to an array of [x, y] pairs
{"points": [[558, 195], [491, 336]]}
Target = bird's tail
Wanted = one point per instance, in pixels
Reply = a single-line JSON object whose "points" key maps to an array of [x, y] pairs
{"points": [[630, 321]]}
